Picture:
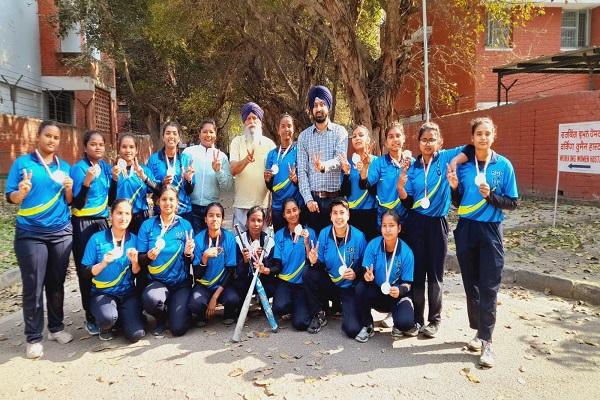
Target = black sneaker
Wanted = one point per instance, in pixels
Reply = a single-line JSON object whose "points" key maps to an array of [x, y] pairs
{"points": [[430, 330], [159, 329], [317, 322], [106, 335]]}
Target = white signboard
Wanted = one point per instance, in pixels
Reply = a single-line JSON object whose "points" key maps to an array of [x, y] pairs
{"points": [[579, 147]]}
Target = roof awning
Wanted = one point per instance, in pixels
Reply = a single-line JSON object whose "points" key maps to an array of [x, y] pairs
{"points": [[580, 61]]}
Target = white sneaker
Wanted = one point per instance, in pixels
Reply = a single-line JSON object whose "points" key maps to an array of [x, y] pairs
{"points": [[487, 355], [475, 344], [62, 337], [388, 322], [34, 350]]}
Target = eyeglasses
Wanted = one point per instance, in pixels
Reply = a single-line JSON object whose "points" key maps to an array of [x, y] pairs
{"points": [[428, 141]]}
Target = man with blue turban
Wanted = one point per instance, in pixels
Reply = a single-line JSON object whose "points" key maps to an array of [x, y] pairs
{"points": [[248, 153]]}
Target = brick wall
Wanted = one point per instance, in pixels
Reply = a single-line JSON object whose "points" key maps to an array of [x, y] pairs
{"points": [[18, 136], [528, 136]]}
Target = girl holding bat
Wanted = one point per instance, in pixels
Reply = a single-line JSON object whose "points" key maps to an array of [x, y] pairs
{"points": [[170, 167], [388, 264], [290, 257], [91, 182], [280, 171], [40, 185], [214, 266], [111, 258], [133, 180], [166, 247]]}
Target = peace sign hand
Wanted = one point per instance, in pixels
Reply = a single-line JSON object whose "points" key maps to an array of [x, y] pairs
{"points": [[292, 173], [345, 165], [25, 183], [190, 245], [250, 156], [317, 162], [216, 160], [138, 169], [313, 254], [451, 177], [369, 275]]}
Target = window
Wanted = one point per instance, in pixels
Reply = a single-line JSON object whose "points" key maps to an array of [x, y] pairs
{"points": [[574, 29], [498, 34], [60, 106]]}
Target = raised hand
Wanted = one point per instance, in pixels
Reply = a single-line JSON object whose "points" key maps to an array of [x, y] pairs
{"points": [[216, 160], [313, 254], [484, 189], [132, 255], [108, 258], [349, 274], [115, 170], [25, 183], [90, 175], [268, 175], [317, 162], [189, 244], [188, 173], [344, 164], [292, 173], [138, 169], [369, 275], [68, 183], [395, 292], [451, 176], [250, 156]]}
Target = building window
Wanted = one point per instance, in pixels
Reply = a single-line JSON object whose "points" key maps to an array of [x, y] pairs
{"points": [[498, 33], [60, 106], [574, 29]]}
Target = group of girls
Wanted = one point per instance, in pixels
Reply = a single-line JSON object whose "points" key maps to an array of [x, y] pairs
{"points": [[387, 238]]}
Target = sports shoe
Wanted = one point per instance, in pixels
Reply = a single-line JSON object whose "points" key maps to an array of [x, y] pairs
{"points": [[430, 330], [414, 331], [396, 333], [159, 329], [388, 322], [91, 328], [317, 322], [228, 321], [62, 337], [365, 333], [34, 350], [475, 344], [106, 335], [487, 355]]}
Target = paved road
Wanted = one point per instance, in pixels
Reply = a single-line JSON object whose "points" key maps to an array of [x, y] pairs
{"points": [[547, 348]]}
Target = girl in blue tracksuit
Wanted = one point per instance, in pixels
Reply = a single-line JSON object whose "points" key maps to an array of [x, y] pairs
{"points": [[384, 172], [335, 266], [425, 193], [166, 246], [362, 202], [91, 183], [134, 181], [112, 259], [40, 185], [482, 187], [214, 267], [388, 275], [289, 260], [170, 167], [280, 171]]}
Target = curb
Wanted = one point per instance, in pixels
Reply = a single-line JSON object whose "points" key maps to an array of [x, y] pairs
{"points": [[558, 286], [10, 277]]}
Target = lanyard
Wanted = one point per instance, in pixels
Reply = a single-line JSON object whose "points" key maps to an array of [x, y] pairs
{"points": [[117, 250], [388, 268], [487, 161], [426, 168], [279, 155], [399, 163], [171, 168], [41, 159], [164, 228], [210, 242], [342, 258]]}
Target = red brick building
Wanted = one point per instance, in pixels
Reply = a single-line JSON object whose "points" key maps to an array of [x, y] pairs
{"points": [[563, 26]]}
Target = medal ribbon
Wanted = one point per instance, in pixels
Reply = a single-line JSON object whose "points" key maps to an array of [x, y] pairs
{"points": [[342, 258], [487, 161], [41, 159], [388, 268]]}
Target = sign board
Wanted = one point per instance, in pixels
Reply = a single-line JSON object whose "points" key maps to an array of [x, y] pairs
{"points": [[579, 147]]}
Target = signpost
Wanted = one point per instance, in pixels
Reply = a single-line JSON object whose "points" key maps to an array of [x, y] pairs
{"points": [[578, 151]]}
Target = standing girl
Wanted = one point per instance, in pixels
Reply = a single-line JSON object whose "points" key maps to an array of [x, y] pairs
{"points": [[134, 181], [112, 259], [170, 167], [39, 183], [166, 246], [362, 202], [91, 182], [280, 171], [485, 186]]}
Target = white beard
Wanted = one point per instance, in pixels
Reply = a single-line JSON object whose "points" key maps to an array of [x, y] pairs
{"points": [[253, 135]]}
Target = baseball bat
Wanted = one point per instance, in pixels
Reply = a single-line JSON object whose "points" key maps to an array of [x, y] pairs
{"points": [[264, 300]]}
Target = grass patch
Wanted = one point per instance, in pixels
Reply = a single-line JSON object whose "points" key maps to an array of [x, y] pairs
{"points": [[7, 236]]}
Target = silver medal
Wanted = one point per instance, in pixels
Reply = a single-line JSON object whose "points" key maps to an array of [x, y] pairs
{"points": [[480, 179], [274, 169], [298, 230], [59, 176], [170, 171], [342, 269], [160, 244], [385, 288], [117, 252], [425, 203], [355, 158], [122, 164], [97, 170]]}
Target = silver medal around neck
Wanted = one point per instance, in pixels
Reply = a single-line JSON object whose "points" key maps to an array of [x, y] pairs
{"points": [[171, 171], [425, 203], [298, 230], [355, 158], [385, 288], [160, 244], [480, 179], [342, 269], [59, 176], [117, 252], [274, 169], [97, 170]]}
